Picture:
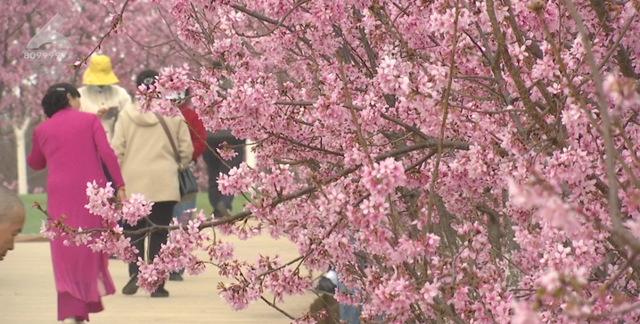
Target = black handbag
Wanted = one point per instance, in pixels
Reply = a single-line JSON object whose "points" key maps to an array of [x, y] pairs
{"points": [[187, 181]]}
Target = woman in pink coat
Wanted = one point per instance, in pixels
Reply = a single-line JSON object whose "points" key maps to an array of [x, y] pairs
{"points": [[73, 145]]}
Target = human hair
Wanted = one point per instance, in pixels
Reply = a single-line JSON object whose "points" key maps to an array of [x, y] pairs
{"points": [[56, 98], [146, 78], [9, 204]]}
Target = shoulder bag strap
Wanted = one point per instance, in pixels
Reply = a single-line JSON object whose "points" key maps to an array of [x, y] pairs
{"points": [[173, 144]]}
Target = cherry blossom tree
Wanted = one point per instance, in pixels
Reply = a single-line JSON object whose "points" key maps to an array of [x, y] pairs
{"points": [[22, 76], [77, 29], [454, 161]]}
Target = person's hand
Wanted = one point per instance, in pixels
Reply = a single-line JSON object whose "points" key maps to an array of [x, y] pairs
{"points": [[121, 194], [101, 112]]}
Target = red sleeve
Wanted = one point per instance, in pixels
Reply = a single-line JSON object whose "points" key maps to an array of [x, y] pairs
{"points": [[196, 130]]}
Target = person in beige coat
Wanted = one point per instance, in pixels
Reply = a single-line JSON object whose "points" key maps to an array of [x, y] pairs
{"points": [[149, 167]]}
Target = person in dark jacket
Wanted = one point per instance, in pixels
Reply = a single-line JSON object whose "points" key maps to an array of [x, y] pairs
{"points": [[215, 165]]}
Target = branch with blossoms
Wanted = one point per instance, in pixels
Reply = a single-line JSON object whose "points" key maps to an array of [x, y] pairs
{"points": [[528, 211], [605, 279], [116, 21], [267, 274]]}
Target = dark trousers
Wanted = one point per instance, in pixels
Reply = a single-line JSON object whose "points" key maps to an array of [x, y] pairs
{"points": [[215, 167], [161, 214]]}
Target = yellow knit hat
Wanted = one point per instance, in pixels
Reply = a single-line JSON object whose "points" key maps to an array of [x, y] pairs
{"points": [[99, 72]]}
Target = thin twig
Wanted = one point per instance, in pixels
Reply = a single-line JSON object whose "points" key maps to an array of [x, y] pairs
{"points": [[117, 20], [349, 103], [445, 114], [282, 311], [614, 203], [280, 22]]}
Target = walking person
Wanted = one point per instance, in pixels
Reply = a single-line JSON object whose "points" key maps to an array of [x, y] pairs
{"points": [[221, 203], [73, 146], [144, 144], [101, 95], [198, 138]]}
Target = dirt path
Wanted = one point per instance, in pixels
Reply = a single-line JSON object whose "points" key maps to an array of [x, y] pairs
{"points": [[27, 292]]}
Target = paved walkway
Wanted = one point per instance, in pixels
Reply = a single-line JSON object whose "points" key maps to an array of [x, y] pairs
{"points": [[27, 292]]}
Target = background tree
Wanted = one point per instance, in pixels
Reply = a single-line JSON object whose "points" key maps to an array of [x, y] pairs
{"points": [[86, 25], [20, 77]]}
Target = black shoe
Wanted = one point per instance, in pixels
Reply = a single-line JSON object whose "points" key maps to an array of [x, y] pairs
{"points": [[131, 287], [160, 293], [174, 276], [326, 286]]}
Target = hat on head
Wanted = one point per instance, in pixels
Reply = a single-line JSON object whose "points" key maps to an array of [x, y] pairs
{"points": [[99, 72], [146, 78]]}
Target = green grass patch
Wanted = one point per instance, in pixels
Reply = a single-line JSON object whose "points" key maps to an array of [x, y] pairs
{"points": [[35, 217]]}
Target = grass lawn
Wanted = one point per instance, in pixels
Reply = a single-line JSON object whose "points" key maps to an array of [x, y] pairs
{"points": [[35, 217]]}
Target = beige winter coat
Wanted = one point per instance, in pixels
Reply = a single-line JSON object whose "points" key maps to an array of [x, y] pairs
{"points": [[111, 96], [145, 155]]}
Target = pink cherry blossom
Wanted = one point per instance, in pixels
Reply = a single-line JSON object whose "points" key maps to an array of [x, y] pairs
{"points": [[454, 162], [227, 153]]}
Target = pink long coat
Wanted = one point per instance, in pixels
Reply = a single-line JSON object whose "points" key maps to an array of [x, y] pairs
{"points": [[72, 145]]}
